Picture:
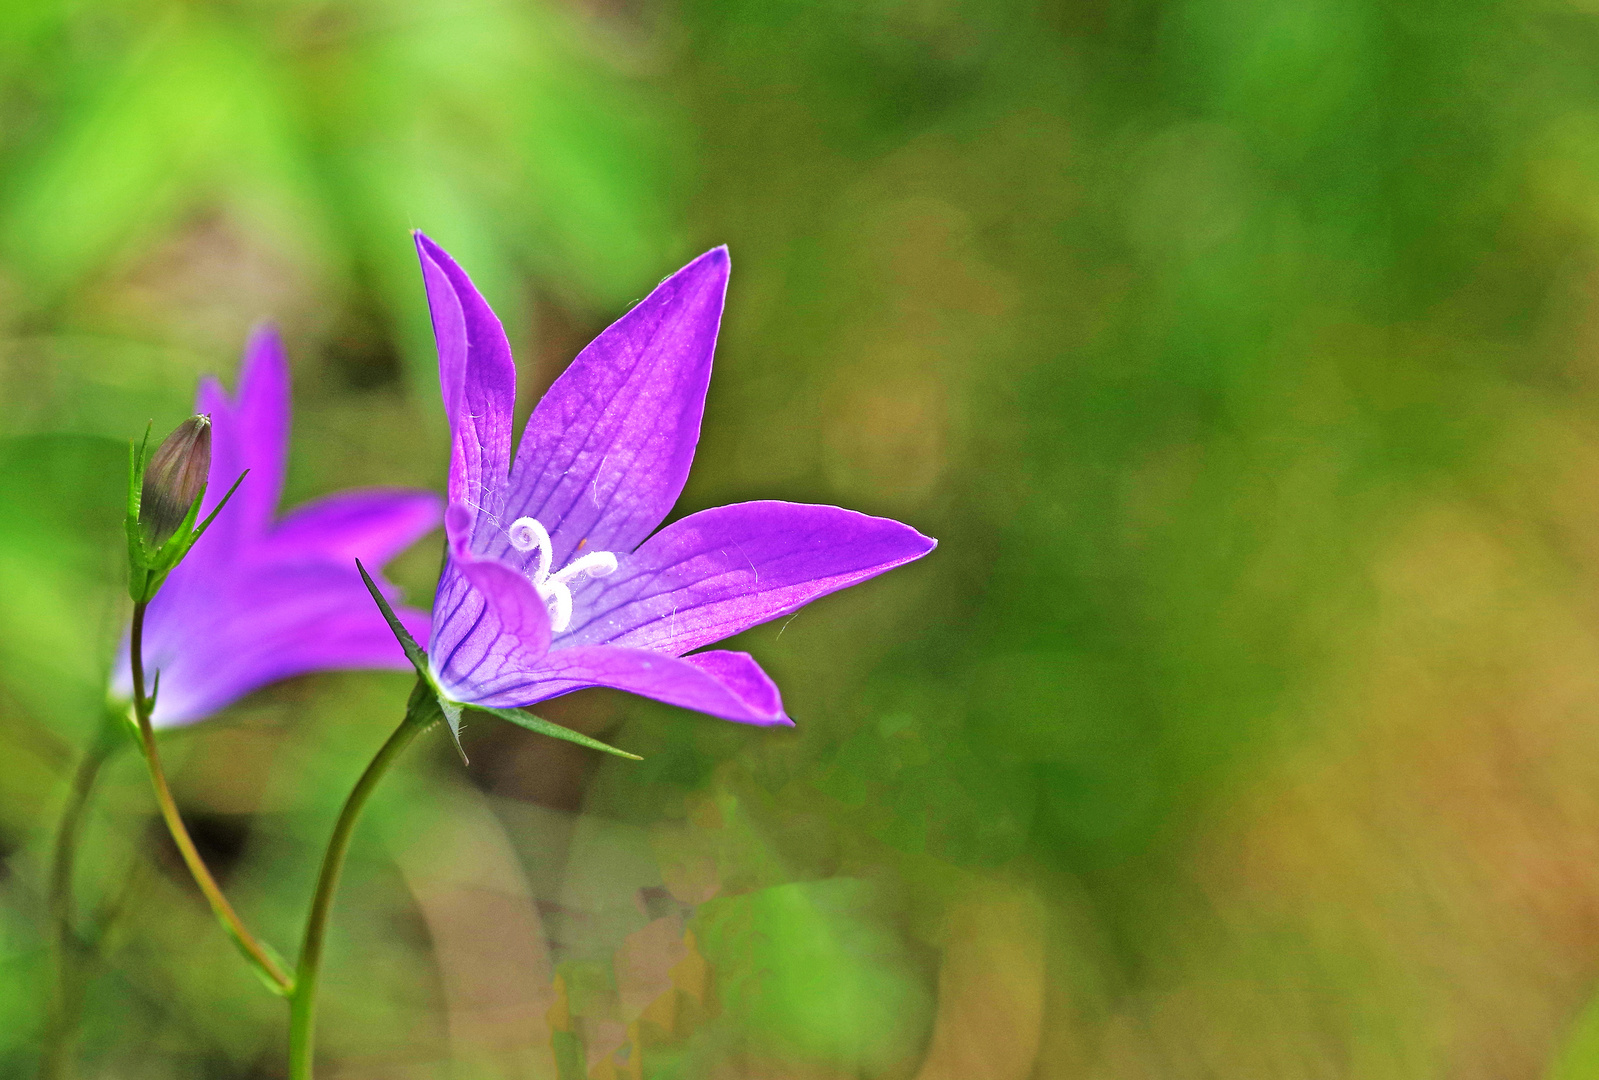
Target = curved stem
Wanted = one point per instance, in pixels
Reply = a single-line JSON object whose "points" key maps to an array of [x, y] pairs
{"points": [[254, 951], [68, 989], [421, 713]]}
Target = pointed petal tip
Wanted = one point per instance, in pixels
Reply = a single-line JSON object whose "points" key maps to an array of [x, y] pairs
{"points": [[264, 335], [264, 375], [427, 249], [914, 542], [265, 341], [714, 264], [431, 252]]}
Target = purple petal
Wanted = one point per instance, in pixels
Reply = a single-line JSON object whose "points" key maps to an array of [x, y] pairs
{"points": [[372, 525], [739, 672], [249, 433], [607, 450], [478, 381], [490, 626], [721, 571], [262, 623], [198, 683], [263, 419], [725, 684]]}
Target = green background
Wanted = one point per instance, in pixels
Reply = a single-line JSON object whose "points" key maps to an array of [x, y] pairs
{"points": [[1243, 355]]}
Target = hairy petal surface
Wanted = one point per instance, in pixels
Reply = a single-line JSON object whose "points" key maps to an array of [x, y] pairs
{"points": [[720, 571], [606, 452]]}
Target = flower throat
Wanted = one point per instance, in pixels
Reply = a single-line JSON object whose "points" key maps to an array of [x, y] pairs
{"points": [[554, 589]]}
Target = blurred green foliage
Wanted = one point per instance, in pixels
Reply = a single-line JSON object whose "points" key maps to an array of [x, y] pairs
{"points": [[1240, 353], [321, 129]]}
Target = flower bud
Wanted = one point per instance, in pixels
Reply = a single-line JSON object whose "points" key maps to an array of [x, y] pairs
{"points": [[174, 479]]}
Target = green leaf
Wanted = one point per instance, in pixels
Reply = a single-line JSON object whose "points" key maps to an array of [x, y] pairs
{"points": [[554, 731]]}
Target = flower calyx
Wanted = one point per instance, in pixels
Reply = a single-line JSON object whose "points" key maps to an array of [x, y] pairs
{"points": [[429, 703], [164, 495]]}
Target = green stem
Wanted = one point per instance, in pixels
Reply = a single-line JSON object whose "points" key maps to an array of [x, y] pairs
{"points": [[254, 951], [421, 712], [68, 990]]}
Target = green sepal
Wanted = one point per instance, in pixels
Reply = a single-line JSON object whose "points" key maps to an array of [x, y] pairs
{"points": [[553, 730], [138, 577], [452, 716], [122, 711], [452, 709], [419, 660], [147, 569], [413, 651]]}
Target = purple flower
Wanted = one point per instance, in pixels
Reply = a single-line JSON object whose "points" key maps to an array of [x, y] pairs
{"points": [[553, 581], [258, 600]]}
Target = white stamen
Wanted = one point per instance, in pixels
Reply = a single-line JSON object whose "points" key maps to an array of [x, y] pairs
{"points": [[594, 564], [526, 534], [559, 598]]}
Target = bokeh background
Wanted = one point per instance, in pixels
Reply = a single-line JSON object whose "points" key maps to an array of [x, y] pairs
{"points": [[1242, 354]]}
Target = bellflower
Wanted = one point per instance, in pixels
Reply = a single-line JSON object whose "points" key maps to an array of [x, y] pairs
{"points": [[259, 599], [553, 580]]}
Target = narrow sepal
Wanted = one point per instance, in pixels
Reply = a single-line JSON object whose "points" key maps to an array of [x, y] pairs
{"points": [[188, 534], [123, 710], [136, 466], [427, 708], [452, 717], [413, 651], [554, 731], [419, 660], [138, 572]]}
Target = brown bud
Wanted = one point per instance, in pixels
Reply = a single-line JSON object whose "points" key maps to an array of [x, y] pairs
{"points": [[173, 479]]}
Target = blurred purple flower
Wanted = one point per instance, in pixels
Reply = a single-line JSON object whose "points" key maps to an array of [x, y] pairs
{"points": [[257, 600], [553, 582]]}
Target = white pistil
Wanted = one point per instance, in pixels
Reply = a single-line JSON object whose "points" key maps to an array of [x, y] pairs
{"points": [[526, 534]]}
